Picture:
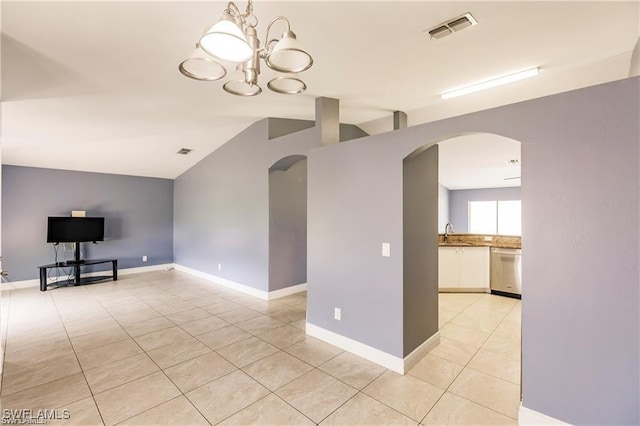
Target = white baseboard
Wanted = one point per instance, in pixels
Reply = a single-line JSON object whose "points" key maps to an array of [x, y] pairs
{"points": [[127, 271], [243, 288], [372, 354], [464, 290], [224, 282], [14, 285], [418, 353], [139, 270], [287, 291], [394, 363], [529, 417]]}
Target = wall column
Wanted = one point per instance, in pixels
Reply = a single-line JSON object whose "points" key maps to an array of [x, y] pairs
{"points": [[399, 120], [328, 120]]}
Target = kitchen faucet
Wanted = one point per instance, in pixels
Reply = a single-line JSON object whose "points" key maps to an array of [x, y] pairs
{"points": [[448, 229]]}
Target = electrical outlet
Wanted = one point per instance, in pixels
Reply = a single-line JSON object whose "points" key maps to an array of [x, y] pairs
{"points": [[219, 266], [337, 313], [144, 258]]}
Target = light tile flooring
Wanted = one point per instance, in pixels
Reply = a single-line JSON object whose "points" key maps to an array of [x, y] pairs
{"points": [[166, 348]]}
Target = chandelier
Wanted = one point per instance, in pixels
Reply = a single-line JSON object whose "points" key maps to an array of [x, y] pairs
{"points": [[234, 39]]}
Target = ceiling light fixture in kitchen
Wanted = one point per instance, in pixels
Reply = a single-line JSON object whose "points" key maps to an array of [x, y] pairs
{"points": [[487, 84], [235, 39]]}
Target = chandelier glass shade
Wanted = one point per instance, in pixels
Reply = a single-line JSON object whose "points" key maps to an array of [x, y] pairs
{"points": [[201, 66], [288, 55], [234, 39], [288, 84]]}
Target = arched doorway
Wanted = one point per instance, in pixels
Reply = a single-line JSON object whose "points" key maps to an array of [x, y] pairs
{"points": [[478, 330], [288, 222]]}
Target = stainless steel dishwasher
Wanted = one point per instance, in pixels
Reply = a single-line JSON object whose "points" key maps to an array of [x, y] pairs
{"points": [[506, 272]]}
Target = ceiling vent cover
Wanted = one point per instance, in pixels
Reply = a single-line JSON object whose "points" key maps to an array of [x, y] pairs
{"points": [[184, 151], [451, 26]]}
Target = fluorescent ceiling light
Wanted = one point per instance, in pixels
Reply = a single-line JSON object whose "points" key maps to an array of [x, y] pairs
{"points": [[491, 83]]}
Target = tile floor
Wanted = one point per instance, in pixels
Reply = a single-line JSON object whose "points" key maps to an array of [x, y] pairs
{"points": [[166, 348]]}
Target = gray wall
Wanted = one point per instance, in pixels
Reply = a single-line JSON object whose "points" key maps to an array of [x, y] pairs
{"points": [[283, 126], [580, 274], [138, 214], [459, 203], [349, 132], [222, 204], [354, 205], [288, 226], [443, 208], [420, 247]]}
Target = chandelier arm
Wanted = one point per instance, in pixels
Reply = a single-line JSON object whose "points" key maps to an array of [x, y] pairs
{"points": [[233, 9], [264, 51], [268, 42]]}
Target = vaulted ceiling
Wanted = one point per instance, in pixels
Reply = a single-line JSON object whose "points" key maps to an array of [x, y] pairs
{"points": [[95, 86]]}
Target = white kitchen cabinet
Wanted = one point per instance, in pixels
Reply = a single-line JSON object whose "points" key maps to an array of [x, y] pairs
{"points": [[463, 268], [448, 269]]}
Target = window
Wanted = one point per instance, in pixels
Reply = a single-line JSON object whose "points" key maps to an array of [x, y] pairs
{"points": [[483, 217], [495, 217], [509, 217]]}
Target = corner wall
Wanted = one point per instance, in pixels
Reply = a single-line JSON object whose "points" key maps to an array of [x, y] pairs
{"points": [[138, 214], [581, 290], [222, 203], [420, 247]]}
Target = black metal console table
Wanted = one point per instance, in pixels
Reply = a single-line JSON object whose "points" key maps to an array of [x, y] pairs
{"points": [[77, 279]]}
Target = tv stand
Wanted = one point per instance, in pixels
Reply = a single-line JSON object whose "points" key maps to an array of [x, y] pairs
{"points": [[76, 264]]}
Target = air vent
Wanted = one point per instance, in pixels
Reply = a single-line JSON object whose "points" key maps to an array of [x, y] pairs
{"points": [[453, 25], [440, 32], [184, 151], [513, 162]]}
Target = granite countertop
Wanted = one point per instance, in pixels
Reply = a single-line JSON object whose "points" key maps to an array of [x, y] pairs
{"points": [[479, 240]]}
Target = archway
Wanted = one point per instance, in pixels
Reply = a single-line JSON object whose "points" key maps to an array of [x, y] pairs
{"points": [[288, 222], [459, 171]]}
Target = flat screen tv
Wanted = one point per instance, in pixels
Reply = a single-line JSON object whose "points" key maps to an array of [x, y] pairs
{"points": [[75, 229]]}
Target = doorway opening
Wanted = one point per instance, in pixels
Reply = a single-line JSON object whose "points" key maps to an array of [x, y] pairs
{"points": [[288, 222], [480, 253]]}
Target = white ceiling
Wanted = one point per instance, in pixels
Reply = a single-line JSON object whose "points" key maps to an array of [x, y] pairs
{"points": [[94, 85], [478, 161]]}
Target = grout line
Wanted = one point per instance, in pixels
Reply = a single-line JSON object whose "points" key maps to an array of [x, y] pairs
{"points": [[468, 362], [157, 365], [283, 400], [6, 340], [283, 350], [244, 408], [78, 361]]}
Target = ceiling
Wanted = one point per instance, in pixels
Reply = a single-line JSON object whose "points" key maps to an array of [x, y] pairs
{"points": [[94, 86], [478, 161]]}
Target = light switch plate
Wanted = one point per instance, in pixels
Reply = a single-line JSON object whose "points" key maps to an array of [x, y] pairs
{"points": [[337, 313], [386, 249]]}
